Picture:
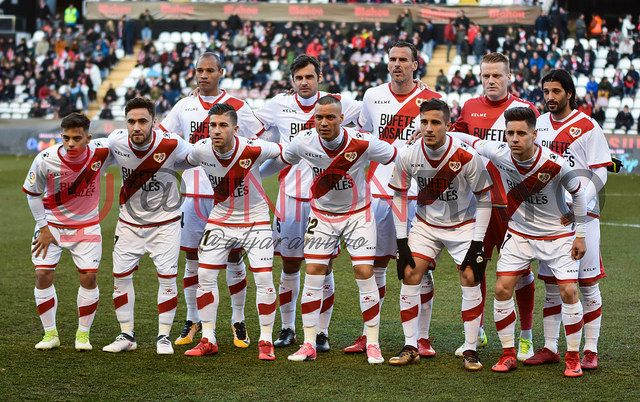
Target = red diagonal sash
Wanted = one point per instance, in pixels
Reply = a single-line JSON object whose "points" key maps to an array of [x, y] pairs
{"points": [[81, 181], [338, 169], [533, 184], [147, 168], [569, 134], [230, 181], [443, 178]]}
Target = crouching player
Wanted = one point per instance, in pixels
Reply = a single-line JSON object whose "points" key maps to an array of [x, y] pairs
{"points": [[535, 179], [453, 211], [239, 219], [338, 157], [68, 174]]}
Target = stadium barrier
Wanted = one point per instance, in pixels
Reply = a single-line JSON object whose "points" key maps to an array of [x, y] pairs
{"points": [[518, 15], [30, 136]]}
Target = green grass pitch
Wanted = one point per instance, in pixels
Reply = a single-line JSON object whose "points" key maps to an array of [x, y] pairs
{"points": [[233, 373]]}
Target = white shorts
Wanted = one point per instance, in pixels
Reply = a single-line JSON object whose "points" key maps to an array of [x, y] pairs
{"points": [[161, 242], [591, 267], [386, 246], [288, 233], [427, 241], [85, 245], [194, 221], [218, 241], [323, 234], [518, 252]]}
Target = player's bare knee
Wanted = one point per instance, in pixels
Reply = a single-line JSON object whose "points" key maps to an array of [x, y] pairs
{"points": [[363, 271], [503, 290], [88, 280], [291, 266], [466, 278], [235, 256], [44, 278], [568, 293], [381, 262]]}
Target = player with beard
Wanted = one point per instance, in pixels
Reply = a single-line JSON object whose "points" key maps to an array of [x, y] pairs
{"points": [[580, 140]]}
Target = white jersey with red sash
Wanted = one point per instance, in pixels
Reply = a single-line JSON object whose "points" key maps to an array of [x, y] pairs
{"points": [[393, 119], [446, 187], [189, 118], [581, 142], [484, 119], [71, 187], [535, 196], [339, 185], [239, 199], [150, 194], [291, 115]]}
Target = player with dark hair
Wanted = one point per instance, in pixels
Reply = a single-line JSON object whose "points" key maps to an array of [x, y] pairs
{"points": [[453, 211], [68, 176], [580, 140], [535, 178], [338, 157], [390, 112], [290, 115], [149, 219], [238, 219], [483, 117], [189, 117]]}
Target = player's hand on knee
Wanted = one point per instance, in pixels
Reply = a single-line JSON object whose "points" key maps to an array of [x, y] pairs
{"points": [[41, 244], [475, 260], [579, 248], [404, 257]]}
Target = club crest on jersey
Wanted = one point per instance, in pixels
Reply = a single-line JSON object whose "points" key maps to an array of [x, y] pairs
{"points": [[575, 131], [350, 156], [96, 165], [419, 101], [455, 166], [244, 163], [159, 157], [544, 177]]}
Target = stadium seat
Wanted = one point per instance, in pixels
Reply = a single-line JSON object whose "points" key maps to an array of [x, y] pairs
{"points": [[5, 116], [120, 53], [164, 37], [453, 96], [614, 102], [598, 73], [582, 81], [627, 101], [632, 131], [186, 37], [610, 72], [464, 98], [600, 63], [169, 46], [608, 126], [635, 113], [602, 53], [581, 91], [226, 83], [611, 113], [453, 2], [276, 75], [569, 44], [624, 64], [175, 37], [619, 131], [593, 43], [196, 37], [636, 63]]}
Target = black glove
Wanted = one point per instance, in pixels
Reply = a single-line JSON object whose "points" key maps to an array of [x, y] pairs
{"points": [[404, 257], [616, 165], [475, 260]]}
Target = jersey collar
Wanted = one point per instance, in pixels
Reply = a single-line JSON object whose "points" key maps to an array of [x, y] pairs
{"points": [[525, 170], [307, 109], [402, 97], [139, 153], [227, 162], [332, 153], [207, 105]]}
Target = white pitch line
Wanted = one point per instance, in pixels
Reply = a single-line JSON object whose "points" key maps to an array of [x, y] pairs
{"points": [[627, 225], [622, 195]]}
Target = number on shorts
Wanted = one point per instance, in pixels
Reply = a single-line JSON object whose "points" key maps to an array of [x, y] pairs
{"points": [[36, 234], [505, 240], [115, 240], [182, 220], [205, 237], [313, 222], [278, 225]]}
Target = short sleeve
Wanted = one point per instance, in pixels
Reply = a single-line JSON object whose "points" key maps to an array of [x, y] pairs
{"points": [[381, 152], [351, 110], [400, 178], [36, 181], [364, 120], [291, 154], [171, 123], [250, 126], [598, 153]]}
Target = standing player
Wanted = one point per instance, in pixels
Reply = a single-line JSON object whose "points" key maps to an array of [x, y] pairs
{"points": [[68, 174], [483, 117], [339, 208], [579, 139], [389, 112], [149, 218], [454, 208], [239, 218], [290, 115], [535, 178], [189, 117]]}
